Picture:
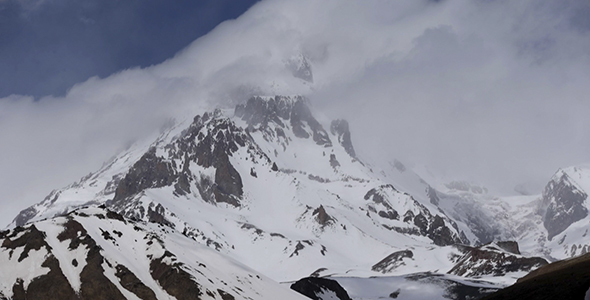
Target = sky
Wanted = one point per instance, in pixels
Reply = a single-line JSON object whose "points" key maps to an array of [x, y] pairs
{"points": [[46, 46], [491, 91]]}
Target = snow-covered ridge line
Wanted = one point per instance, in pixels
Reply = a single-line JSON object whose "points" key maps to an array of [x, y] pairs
{"points": [[96, 253]]}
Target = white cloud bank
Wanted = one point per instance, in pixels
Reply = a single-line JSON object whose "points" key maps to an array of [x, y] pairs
{"points": [[496, 91]]}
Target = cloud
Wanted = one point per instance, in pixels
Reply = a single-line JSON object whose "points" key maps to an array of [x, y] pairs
{"points": [[47, 46], [493, 91]]}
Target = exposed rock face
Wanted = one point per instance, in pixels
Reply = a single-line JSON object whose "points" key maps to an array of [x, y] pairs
{"points": [[300, 115], [259, 112], [567, 279], [95, 285], [174, 280], [210, 141], [228, 184], [440, 234], [564, 202], [340, 129], [392, 261], [318, 288], [510, 246], [94, 253], [492, 260], [53, 285], [376, 196], [149, 172], [130, 282], [334, 162], [322, 217], [432, 226], [29, 239]]}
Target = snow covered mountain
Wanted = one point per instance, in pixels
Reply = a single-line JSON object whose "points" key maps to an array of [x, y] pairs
{"points": [[270, 186], [552, 224], [267, 179]]}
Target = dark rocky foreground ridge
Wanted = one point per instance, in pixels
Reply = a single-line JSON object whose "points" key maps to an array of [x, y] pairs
{"points": [[317, 288], [567, 279]]}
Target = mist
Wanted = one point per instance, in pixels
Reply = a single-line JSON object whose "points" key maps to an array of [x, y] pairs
{"points": [[488, 91]]}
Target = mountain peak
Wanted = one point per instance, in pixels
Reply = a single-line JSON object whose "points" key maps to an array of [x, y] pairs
{"points": [[280, 111]]}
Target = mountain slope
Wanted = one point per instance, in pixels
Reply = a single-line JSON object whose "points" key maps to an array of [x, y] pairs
{"points": [[270, 186], [94, 253], [267, 178]]}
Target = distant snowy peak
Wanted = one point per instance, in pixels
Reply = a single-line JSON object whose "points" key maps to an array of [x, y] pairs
{"points": [[564, 199]]}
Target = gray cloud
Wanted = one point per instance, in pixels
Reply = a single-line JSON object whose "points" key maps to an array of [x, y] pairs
{"points": [[493, 91]]}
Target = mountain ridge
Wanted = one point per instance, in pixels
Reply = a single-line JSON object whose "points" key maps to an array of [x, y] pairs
{"points": [[267, 184]]}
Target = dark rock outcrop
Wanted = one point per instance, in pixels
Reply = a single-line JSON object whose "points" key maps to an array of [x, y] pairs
{"points": [[150, 171], [433, 226], [54, 284], [510, 246], [322, 217], [489, 260], [378, 197], [439, 233], [228, 183], [174, 280], [210, 149], [51, 286], [392, 261], [258, 112], [341, 130], [95, 285], [334, 162], [301, 115], [564, 203], [31, 239], [131, 283], [316, 287], [567, 279]]}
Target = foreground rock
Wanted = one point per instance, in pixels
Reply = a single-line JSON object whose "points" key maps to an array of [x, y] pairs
{"points": [[567, 279], [320, 289]]}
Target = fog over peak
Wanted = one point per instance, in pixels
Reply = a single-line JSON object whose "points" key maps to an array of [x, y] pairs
{"points": [[489, 91]]}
